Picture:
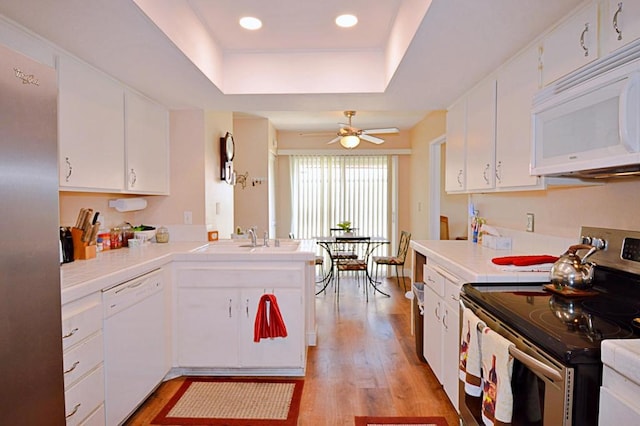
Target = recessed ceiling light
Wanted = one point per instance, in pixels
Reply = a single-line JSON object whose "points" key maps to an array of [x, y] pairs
{"points": [[250, 23], [346, 21]]}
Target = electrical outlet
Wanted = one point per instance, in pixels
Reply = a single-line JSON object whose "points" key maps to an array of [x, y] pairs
{"points": [[530, 222], [188, 218]]}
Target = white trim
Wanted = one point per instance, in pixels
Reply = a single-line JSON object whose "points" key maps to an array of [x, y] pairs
{"points": [[344, 152], [434, 186]]}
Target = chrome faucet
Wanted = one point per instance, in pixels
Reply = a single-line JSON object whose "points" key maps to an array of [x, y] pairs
{"points": [[265, 240], [252, 233]]}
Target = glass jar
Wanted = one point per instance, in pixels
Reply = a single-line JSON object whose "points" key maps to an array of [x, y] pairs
{"points": [[127, 233], [162, 235], [116, 238]]}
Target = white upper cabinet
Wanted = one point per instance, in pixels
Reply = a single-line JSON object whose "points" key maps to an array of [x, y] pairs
{"points": [[455, 147], [147, 145], [571, 45], [481, 136], [620, 23], [90, 128], [518, 81]]}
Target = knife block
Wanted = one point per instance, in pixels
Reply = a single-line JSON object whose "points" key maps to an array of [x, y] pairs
{"points": [[81, 250]]}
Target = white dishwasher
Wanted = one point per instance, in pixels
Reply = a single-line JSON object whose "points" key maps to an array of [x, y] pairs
{"points": [[136, 356]]}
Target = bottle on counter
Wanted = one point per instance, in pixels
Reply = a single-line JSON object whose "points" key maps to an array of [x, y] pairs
{"points": [[162, 235], [115, 238]]}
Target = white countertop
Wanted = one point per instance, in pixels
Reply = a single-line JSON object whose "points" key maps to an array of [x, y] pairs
{"points": [[112, 267], [82, 277], [623, 355], [472, 262]]}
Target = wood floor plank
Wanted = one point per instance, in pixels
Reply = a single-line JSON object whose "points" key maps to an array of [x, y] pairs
{"points": [[365, 363]]}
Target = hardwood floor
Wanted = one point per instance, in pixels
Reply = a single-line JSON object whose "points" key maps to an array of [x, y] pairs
{"points": [[365, 364]]}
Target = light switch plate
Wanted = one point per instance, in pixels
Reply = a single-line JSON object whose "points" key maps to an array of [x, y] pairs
{"points": [[530, 222]]}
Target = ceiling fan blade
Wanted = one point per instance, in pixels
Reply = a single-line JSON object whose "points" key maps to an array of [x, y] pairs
{"points": [[385, 130], [371, 139], [334, 140]]}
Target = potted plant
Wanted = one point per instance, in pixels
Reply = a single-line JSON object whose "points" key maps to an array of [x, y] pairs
{"points": [[346, 227]]}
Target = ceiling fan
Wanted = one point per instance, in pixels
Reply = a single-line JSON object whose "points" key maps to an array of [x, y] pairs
{"points": [[349, 136]]}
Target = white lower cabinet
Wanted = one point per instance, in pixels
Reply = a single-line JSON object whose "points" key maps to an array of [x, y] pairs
{"points": [[216, 312], [442, 327], [83, 361]]}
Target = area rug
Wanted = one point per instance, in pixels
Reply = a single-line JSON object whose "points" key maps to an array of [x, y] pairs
{"points": [[233, 401], [401, 421]]}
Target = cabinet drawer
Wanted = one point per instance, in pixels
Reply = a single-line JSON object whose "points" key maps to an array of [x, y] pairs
{"points": [[81, 319], [82, 358], [452, 294], [84, 397], [433, 280], [96, 418]]}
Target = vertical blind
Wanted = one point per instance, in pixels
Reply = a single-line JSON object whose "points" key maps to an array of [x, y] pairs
{"points": [[327, 190]]}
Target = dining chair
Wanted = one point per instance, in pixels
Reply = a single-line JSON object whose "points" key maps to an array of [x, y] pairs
{"points": [[356, 262], [397, 260]]}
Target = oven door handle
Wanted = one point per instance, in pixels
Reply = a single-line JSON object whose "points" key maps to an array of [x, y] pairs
{"points": [[534, 365]]}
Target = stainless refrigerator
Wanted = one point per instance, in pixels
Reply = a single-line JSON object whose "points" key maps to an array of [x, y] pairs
{"points": [[31, 379]]}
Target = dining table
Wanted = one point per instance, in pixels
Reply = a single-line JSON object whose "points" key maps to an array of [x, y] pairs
{"points": [[330, 245]]}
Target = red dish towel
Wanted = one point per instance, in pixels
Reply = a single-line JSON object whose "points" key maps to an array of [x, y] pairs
{"points": [[538, 259], [269, 322]]}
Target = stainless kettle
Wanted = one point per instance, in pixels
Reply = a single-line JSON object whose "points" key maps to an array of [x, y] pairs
{"points": [[573, 271]]}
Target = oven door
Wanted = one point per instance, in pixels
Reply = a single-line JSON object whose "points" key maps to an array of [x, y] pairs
{"points": [[542, 387]]}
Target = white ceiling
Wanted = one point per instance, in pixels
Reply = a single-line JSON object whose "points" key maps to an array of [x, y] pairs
{"points": [[456, 44]]}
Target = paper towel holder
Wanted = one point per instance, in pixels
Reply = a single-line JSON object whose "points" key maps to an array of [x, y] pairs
{"points": [[128, 204]]}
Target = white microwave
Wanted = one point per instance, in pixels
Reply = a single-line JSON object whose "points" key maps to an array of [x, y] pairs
{"points": [[588, 125]]}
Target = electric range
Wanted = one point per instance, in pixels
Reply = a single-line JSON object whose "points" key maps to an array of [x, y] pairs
{"points": [[564, 333]]}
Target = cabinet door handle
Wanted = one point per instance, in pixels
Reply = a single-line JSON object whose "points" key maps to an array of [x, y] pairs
{"points": [[437, 311], [582, 43], [246, 307], [485, 174], [71, 333], [230, 302], [132, 178], [69, 169], [460, 178], [444, 320], [75, 410], [499, 172], [615, 21], [73, 367]]}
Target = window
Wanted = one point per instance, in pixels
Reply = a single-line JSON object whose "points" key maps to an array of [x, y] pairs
{"points": [[327, 190]]}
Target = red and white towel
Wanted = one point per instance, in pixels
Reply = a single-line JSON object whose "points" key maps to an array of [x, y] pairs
{"points": [[269, 322], [529, 263], [497, 368], [470, 353]]}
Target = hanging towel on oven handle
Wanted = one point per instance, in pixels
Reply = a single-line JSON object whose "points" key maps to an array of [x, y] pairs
{"points": [[269, 322]]}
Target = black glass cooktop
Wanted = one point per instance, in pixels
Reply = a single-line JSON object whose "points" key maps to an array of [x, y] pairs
{"points": [[571, 329]]}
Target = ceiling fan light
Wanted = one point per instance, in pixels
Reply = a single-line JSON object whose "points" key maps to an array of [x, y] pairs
{"points": [[346, 21], [349, 141]]}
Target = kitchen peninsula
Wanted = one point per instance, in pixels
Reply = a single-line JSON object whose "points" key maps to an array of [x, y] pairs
{"points": [[194, 304]]}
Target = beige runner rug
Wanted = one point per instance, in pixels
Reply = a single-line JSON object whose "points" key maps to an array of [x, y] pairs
{"points": [[233, 401]]}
